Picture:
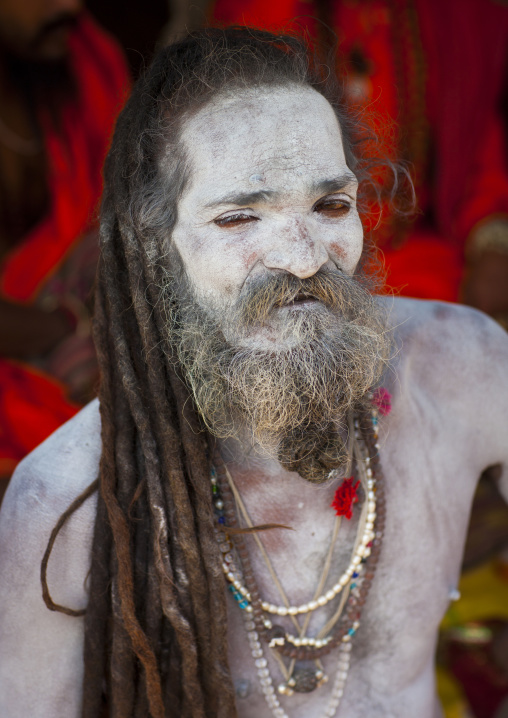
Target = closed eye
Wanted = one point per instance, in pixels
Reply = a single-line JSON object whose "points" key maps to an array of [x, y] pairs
{"points": [[234, 220], [332, 207]]}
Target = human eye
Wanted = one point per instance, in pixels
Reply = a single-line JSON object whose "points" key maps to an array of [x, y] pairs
{"points": [[234, 220], [333, 206]]}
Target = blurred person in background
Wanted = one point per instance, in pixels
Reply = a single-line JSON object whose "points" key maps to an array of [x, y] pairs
{"points": [[62, 82]]}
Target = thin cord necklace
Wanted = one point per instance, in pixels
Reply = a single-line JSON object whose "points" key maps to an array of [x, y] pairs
{"points": [[352, 587]]}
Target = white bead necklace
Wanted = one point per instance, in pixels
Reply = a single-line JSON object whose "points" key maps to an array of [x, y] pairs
{"points": [[266, 681], [362, 551], [346, 581]]}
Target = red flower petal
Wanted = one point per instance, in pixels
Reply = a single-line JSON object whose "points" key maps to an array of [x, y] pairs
{"points": [[382, 399], [345, 497]]}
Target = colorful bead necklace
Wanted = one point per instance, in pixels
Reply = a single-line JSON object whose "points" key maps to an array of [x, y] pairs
{"points": [[352, 587]]}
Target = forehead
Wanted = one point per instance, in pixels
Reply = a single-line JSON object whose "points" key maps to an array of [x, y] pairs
{"points": [[280, 137]]}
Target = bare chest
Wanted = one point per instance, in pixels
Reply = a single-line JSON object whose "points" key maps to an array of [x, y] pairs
{"points": [[390, 670]]}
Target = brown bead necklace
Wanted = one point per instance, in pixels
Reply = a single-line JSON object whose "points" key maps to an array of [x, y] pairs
{"points": [[353, 586]]}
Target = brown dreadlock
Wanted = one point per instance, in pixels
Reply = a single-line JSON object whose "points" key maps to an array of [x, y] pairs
{"points": [[155, 625]]}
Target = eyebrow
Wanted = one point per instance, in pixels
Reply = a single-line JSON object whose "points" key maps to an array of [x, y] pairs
{"points": [[335, 184], [240, 199], [243, 198]]}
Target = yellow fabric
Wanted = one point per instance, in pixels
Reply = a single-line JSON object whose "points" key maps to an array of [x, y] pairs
{"points": [[451, 695], [484, 596]]}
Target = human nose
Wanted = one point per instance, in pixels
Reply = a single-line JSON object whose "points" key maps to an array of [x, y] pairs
{"points": [[296, 250]]}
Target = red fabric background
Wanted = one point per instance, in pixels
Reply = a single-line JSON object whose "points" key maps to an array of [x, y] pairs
{"points": [[32, 405], [465, 51]]}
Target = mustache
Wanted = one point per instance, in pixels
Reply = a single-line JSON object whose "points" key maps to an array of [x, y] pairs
{"points": [[65, 20], [260, 299]]}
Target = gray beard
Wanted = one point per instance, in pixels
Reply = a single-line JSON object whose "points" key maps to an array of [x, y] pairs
{"points": [[293, 400]]}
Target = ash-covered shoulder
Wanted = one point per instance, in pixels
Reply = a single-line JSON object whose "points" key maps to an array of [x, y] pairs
{"points": [[449, 369], [47, 480], [452, 358], [429, 331], [41, 651]]}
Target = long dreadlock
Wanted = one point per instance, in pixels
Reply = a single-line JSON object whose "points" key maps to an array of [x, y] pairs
{"points": [[155, 625]]}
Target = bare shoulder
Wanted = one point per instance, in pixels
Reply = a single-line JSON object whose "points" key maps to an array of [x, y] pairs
{"points": [[450, 342], [47, 481], [451, 361], [36, 642]]}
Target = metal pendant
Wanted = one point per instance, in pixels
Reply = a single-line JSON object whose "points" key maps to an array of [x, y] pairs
{"points": [[306, 680]]}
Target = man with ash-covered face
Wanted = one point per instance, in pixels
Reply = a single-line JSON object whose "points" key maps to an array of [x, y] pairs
{"points": [[268, 426]]}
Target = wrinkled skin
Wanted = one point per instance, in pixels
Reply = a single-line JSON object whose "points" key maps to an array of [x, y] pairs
{"points": [[448, 423]]}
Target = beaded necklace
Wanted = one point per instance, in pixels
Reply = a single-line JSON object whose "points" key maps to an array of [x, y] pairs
{"points": [[352, 587]]}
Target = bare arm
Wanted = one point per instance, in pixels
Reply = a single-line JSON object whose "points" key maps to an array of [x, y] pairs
{"points": [[501, 476], [495, 354], [483, 352], [41, 652], [460, 357]]}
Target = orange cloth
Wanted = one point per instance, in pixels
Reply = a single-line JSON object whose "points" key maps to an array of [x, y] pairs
{"points": [[32, 405]]}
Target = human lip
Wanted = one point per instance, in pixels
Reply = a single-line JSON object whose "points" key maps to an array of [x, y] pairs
{"points": [[301, 300]]}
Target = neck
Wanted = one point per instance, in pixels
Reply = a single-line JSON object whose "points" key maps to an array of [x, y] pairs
{"points": [[246, 455], [272, 494]]}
